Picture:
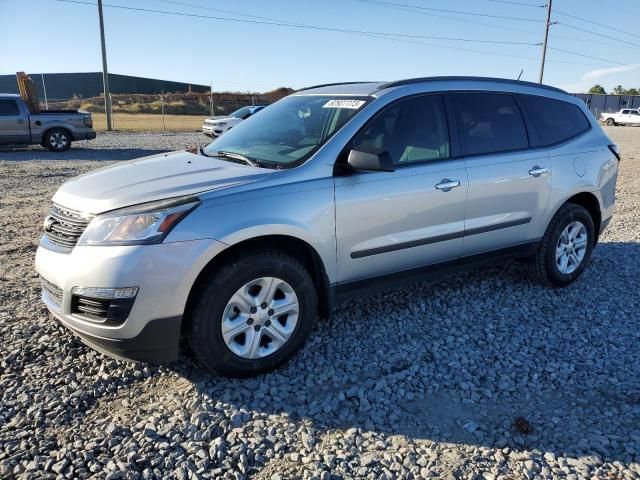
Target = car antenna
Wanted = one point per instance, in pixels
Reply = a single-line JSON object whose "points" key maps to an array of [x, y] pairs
{"points": [[520, 74]]}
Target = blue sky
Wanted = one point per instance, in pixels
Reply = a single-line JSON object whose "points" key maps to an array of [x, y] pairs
{"points": [[253, 57]]}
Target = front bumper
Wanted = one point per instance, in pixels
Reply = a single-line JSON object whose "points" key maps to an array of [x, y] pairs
{"points": [[164, 275], [88, 135], [209, 130]]}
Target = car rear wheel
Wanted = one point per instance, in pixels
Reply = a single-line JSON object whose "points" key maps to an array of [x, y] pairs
{"points": [[57, 140], [253, 314], [611, 122], [565, 248]]}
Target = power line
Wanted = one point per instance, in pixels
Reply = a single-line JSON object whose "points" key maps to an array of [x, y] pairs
{"points": [[620, 10], [573, 27], [501, 27], [457, 19], [522, 4], [588, 56], [230, 12], [601, 25], [304, 26], [458, 12], [383, 36]]}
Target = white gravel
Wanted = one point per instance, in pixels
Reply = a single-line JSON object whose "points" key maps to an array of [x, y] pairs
{"points": [[428, 381]]}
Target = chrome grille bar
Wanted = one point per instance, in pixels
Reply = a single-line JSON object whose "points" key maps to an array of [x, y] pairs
{"points": [[63, 227]]}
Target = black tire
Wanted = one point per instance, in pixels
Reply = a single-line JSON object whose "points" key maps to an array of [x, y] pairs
{"points": [[57, 139], [206, 315], [543, 266], [611, 122]]}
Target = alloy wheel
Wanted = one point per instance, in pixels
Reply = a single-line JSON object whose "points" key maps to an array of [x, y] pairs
{"points": [[58, 140], [571, 247]]}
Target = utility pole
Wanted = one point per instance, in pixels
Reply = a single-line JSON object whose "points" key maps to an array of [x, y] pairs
{"points": [[105, 73], [546, 36], [211, 97], [44, 89]]}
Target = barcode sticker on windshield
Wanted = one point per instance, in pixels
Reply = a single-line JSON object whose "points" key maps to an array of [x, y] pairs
{"points": [[353, 104]]}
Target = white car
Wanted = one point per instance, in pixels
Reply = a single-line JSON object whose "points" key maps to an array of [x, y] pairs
{"points": [[626, 116], [216, 126]]}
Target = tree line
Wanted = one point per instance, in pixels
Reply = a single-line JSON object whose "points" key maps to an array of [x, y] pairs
{"points": [[619, 90]]}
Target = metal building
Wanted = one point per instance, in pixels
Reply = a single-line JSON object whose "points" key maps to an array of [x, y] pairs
{"points": [[599, 103], [64, 86]]}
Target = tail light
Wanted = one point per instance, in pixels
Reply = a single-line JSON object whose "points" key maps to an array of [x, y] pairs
{"points": [[88, 121], [615, 150]]}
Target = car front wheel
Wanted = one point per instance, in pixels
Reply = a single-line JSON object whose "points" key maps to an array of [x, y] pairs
{"points": [[253, 314]]}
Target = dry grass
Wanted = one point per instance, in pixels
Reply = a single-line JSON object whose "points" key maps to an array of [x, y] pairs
{"points": [[138, 122]]}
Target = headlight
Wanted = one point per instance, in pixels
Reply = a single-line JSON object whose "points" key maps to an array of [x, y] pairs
{"points": [[221, 124], [138, 225]]}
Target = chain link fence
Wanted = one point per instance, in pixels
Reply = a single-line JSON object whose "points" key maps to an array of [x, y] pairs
{"points": [[165, 112]]}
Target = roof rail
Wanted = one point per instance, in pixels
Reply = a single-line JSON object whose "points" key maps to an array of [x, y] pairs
{"points": [[410, 81], [330, 85]]}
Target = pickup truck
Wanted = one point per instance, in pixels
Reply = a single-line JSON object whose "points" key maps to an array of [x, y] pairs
{"points": [[626, 116], [53, 129]]}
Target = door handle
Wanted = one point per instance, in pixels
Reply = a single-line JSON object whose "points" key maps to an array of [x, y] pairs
{"points": [[445, 184], [537, 171], [20, 120]]}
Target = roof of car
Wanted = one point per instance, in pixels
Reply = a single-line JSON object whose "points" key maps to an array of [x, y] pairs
{"points": [[370, 88]]}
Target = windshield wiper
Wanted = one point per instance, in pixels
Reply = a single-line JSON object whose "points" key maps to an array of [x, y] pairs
{"points": [[236, 156], [202, 152]]}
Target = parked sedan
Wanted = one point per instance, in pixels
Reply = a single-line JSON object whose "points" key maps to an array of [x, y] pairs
{"points": [[216, 126]]}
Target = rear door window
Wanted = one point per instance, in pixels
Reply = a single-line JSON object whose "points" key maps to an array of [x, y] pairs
{"points": [[8, 108], [555, 120], [491, 123]]}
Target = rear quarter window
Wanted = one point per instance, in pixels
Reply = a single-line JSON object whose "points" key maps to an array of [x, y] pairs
{"points": [[554, 120]]}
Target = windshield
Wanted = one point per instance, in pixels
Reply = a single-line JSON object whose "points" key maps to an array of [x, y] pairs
{"points": [[288, 132], [241, 112]]}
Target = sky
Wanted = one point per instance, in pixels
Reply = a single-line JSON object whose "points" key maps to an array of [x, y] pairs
{"points": [[240, 56]]}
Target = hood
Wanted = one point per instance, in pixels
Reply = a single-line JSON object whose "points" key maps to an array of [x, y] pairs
{"points": [[152, 178], [224, 119]]}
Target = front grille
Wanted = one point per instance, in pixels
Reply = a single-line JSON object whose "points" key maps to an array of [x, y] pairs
{"points": [[51, 294], [63, 227]]}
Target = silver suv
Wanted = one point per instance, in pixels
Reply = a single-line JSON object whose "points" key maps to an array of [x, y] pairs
{"points": [[328, 193]]}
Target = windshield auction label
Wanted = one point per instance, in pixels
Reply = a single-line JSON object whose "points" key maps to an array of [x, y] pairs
{"points": [[353, 104]]}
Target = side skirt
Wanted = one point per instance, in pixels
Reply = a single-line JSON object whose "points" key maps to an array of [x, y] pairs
{"points": [[368, 286]]}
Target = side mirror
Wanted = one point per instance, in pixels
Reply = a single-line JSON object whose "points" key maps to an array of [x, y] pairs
{"points": [[370, 159]]}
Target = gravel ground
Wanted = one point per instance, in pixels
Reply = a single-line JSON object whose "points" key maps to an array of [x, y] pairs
{"points": [[484, 375]]}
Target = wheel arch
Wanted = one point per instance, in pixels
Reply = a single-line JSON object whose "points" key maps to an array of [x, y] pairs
{"points": [[61, 127], [591, 203], [299, 249]]}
